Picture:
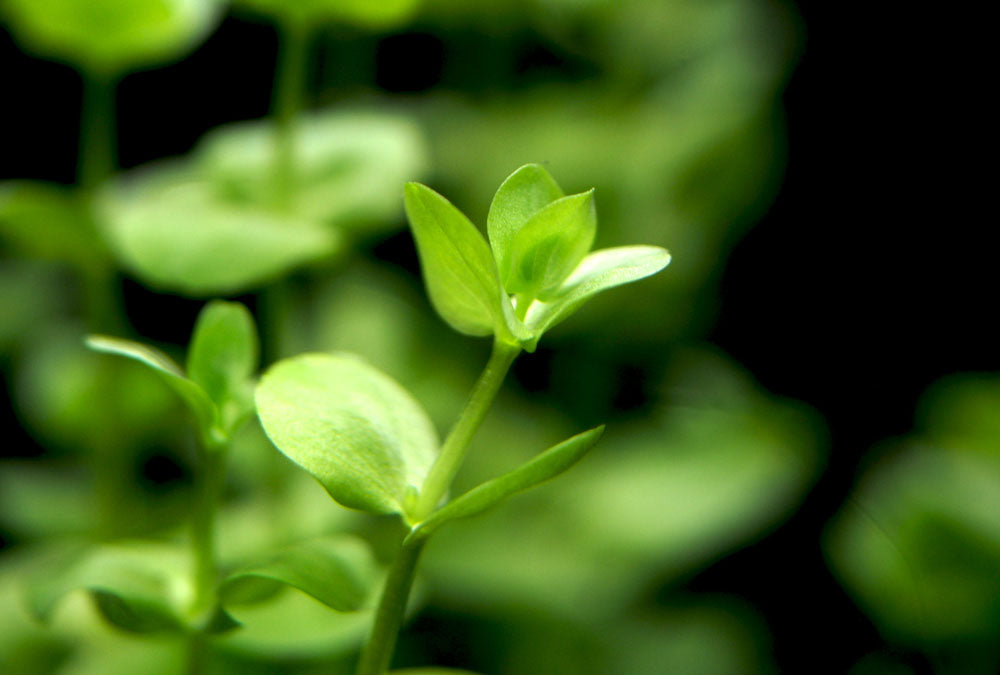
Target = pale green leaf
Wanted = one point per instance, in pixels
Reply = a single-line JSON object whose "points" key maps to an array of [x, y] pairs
{"points": [[138, 586], [222, 358], [176, 233], [522, 194], [550, 463], [362, 13], [111, 35], [191, 393], [598, 272], [359, 433], [458, 268], [550, 245], [338, 571]]}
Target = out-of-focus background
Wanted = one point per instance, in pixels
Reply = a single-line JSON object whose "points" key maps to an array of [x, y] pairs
{"points": [[802, 468]]}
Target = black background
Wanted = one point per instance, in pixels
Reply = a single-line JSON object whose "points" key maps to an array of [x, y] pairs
{"points": [[870, 277]]}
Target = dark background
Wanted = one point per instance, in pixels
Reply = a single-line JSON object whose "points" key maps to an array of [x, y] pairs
{"points": [[868, 278]]}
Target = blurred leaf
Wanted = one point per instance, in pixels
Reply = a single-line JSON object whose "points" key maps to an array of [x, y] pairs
{"points": [[362, 13], [40, 220], [192, 394], [337, 571], [431, 671], [551, 244], [111, 35], [348, 167], [521, 195], [222, 359], [353, 428], [961, 411], [40, 501], [32, 294], [177, 234], [547, 465], [455, 261], [138, 586]]}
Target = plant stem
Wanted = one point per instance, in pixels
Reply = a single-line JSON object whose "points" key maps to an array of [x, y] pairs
{"points": [[391, 607], [97, 152], [456, 444], [289, 86], [209, 486]]}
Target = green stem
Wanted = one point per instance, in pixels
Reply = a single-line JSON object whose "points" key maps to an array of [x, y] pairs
{"points": [[98, 149], [391, 607], [457, 443], [210, 477], [289, 89]]}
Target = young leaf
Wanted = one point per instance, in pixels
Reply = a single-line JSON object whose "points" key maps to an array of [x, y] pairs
{"points": [[525, 192], [337, 571], [137, 586], [550, 463], [599, 271], [553, 242], [359, 433], [458, 268], [223, 357], [191, 393]]}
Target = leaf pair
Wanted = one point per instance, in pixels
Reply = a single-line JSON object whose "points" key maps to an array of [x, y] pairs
{"points": [[540, 243], [371, 445], [222, 358]]}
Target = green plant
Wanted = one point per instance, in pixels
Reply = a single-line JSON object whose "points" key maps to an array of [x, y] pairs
{"points": [[371, 445]]}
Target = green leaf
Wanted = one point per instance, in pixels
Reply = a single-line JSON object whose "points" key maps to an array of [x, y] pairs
{"points": [[431, 671], [550, 245], [362, 13], [176, 233], [550, 463], [598, 272], [111, 35], [138, 586], [338, 571], [524, 193], [458, 269], [191, 393], [352, 427], [223, 357]]}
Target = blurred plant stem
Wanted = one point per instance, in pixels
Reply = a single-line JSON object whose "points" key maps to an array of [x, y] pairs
{"points": [[98, 147], [209, 477], [289, 87]]}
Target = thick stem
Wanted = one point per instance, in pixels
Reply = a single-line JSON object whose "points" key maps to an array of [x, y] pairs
{"points": [[98, 150], [289, 89], [210, 476], [391, 607], [457, 443]]}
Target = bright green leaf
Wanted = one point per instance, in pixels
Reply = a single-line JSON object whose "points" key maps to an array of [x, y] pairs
{"points": [[177, 234], [223, 357], [191, 393], [522, 194], [138, 586], [550, 245], [363, 13], [598, 272], [111, 35], [550, 463], [458, 268], [352, 427], [338, 571]]}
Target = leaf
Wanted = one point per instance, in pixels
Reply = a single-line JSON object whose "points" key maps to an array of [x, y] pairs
{"points": [[458, 268], [362, 13], [550, 463], [359, 433], [553, 242], [598, 272], [175, 233], [223, 357], [431, 671], [111, 35], [191, 393], [140, 587], [337, 571], [522, 194]]}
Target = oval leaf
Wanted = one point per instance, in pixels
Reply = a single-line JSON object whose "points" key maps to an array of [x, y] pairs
{"points": [[550, 463], [223, 357], [362, 13], [353, 428], [524, 193], [338, 571], [598, 272], [457, 265]]}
